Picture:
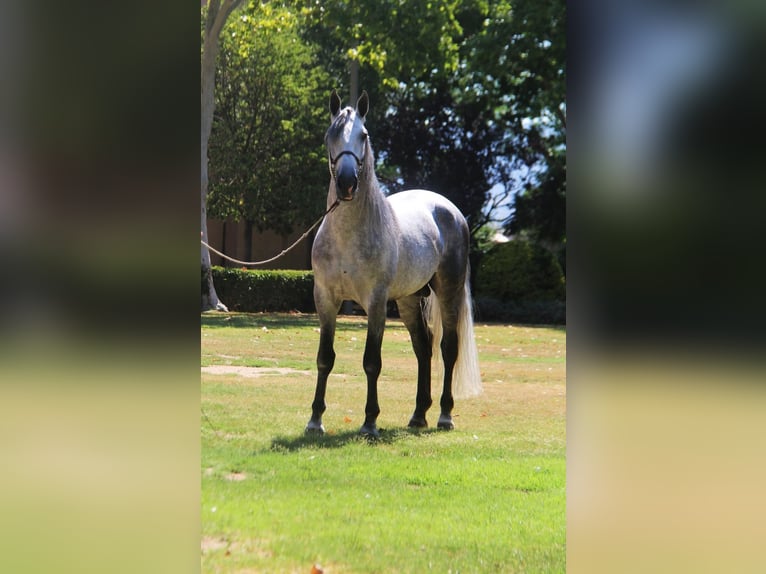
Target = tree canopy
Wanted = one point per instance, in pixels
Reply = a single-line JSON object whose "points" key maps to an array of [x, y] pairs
{"points": [[468, 99], [266, 154]]}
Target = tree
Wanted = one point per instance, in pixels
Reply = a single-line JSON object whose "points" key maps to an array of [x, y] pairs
{"points": [[215, 16], [471, 95], [434, 141], [267, 162], [392, 42], [408, 59], [518, 60]]}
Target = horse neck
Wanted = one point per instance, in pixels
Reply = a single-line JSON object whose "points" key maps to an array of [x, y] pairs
{"points": [[369, 213]]}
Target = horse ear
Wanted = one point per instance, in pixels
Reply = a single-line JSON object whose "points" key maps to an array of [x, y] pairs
{"points": [[334, 103], [363, 105]]}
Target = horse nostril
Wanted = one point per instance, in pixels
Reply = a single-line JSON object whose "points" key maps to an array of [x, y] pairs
{"points": [[346, 191], [346, 184]]}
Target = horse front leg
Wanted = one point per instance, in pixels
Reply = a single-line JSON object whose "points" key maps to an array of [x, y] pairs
{"points": [[325, 363], [372, 363]]}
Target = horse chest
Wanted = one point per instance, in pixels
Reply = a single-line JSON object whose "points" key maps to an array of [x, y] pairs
{"points": [[361, 272], [352, 267]]}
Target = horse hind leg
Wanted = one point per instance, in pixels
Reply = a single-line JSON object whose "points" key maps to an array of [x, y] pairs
{"points": [[411, 312], [449, 349], [449, 308]]}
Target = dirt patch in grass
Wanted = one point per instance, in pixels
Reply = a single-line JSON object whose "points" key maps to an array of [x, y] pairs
{"points": [[211, 543], [236, 476], [251, 372]]}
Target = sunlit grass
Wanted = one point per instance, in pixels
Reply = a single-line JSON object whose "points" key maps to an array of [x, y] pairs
{"points": [[487, 497]]}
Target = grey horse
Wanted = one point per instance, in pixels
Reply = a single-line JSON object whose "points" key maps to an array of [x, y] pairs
{"points": [[411, 247]]}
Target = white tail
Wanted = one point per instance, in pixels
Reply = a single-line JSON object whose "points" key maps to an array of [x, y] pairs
{"points": [[466, 377]]}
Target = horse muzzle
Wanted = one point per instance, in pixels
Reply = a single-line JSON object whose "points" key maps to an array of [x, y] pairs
{"points": [[346, 182]]}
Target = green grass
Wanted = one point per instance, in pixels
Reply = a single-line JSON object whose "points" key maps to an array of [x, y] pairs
{"points": [[486, 497]]}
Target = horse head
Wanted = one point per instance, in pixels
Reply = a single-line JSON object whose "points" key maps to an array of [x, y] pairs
{"points": [[347, 145]]}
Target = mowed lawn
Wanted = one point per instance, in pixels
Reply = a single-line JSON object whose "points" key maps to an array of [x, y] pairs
{"points": [[486, 497]]}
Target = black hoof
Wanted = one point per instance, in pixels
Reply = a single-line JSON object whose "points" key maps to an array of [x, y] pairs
{"points": [[445, 423], [418, 423], [315, 428], [369, 431]]}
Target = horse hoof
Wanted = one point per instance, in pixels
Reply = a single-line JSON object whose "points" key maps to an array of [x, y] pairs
{"points": [[445, 423], [315, 428], [369, 431], [418, 423]]}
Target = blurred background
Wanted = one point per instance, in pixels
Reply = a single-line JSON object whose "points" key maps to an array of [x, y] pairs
{"points": [[99, 376], [661, 248], [665, 286]]}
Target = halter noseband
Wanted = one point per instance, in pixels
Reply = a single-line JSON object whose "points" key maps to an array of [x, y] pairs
{"points": [[359, 161]]}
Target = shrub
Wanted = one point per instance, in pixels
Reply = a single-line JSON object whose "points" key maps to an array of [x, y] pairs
{"points": [[520, 281], [538, 312], [265, 290], [520, 271]]}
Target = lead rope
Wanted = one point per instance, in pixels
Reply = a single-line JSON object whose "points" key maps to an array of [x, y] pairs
{"points": [[301, 238]]}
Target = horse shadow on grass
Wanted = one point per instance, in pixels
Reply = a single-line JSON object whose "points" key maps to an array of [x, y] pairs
{"points": [[341, 439]]}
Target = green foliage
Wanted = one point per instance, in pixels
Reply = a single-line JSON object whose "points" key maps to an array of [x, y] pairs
{"points": [[520, 282], [520, 271], [392, 40], [445, 146], [265, 290], [483, 238], [526, 312], [540, 210], [498, 118], [522, 48], [466, 95], [267, 162]]}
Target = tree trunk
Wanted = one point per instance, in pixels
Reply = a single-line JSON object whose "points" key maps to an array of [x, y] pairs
{"points": [[248, 240], [216, 18], [354, 77]]}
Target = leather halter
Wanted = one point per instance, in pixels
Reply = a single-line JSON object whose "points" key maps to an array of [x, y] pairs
{"points": [[359, 161]]}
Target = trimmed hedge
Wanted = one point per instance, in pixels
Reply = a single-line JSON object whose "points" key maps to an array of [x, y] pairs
{"points": [[530, 312], [256, 291], [516, 281], [520, 281], [520, 271]]}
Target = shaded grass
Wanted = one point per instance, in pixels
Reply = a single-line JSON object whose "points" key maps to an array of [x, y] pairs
{"points": [[488, 496]]}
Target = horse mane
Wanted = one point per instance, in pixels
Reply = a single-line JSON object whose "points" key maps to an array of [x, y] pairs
{"points": [[373, 194]]}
